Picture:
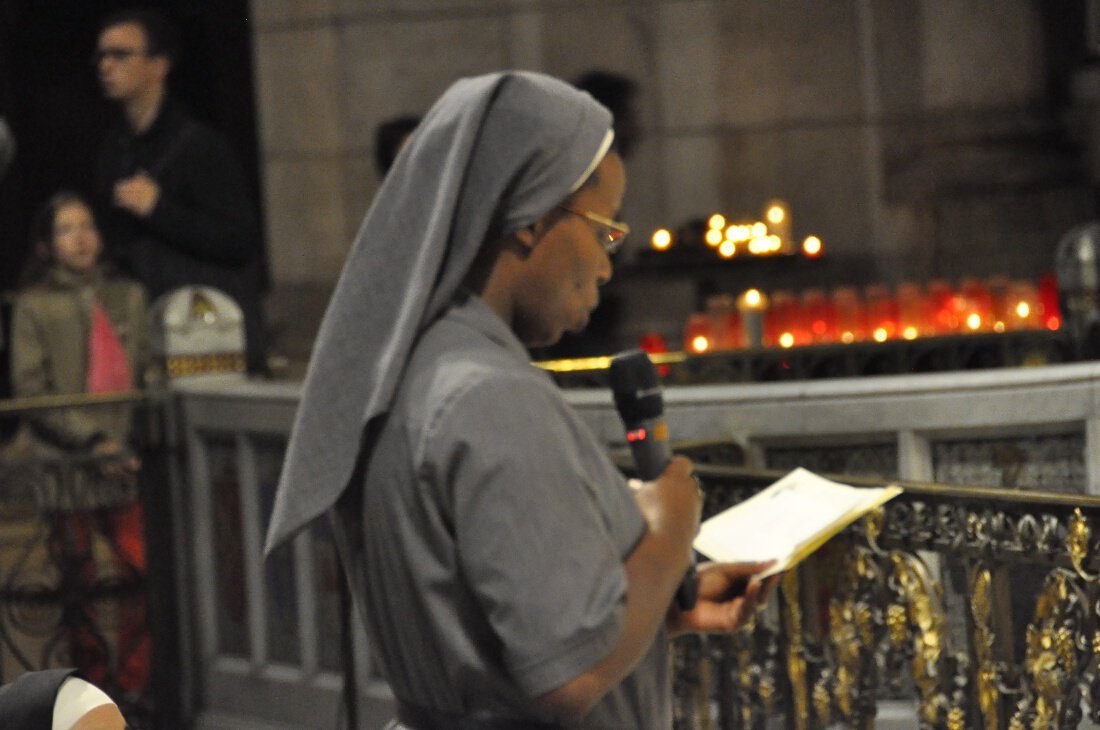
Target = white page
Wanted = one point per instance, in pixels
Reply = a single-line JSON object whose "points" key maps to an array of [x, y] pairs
{"points": [[774, 523]]}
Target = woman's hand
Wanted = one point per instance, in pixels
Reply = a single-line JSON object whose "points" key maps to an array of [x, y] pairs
{"points": [[672, 505], [729, 595], [117, 460]]}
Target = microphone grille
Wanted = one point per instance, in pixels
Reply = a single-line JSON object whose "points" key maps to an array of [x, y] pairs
{"points": [[635, 386]]}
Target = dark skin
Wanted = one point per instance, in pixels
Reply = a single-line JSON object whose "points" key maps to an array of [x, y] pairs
{"points": [[544, 280]]}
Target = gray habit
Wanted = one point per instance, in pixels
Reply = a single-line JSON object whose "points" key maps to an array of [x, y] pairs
{"points": [[493, 155], [488, 551]]}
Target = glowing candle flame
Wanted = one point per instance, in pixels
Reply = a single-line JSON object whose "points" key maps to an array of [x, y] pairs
{"points": [[661, 240]]}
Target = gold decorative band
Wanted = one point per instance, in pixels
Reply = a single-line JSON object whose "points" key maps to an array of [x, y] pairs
{"points": [[219, 362]]}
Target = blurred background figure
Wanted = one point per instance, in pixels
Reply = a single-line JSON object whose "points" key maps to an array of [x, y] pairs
{"points": [[617, 93], [57, 699], [7, 147], [78, 327], [171, 194], [389, 139]]}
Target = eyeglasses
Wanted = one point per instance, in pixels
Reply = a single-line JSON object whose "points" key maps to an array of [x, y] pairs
{"points": [[115, 54], [614, 233]]}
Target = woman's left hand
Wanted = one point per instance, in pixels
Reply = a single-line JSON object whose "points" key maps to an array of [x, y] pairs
{"points": [[729, 595]]}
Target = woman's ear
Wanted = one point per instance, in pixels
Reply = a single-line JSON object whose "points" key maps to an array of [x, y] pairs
{"points": [[527, 236], [530, 235]]}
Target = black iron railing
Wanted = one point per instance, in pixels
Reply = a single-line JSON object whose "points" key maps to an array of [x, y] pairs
{"points": [[86, 566], [974, 607]]}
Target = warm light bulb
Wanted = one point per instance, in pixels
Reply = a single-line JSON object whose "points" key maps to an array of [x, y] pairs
{"points": [[727, 249], [998, 326], [716, 222], [1023, 309], [847, 338], [713, 237], [661, 240], [786, 339], [700, 343], [811, 246], [735, 233], [880, 334], [774, 244], [974, 320], [759, 229], [753, 297], [909, 333], [776, 214]]}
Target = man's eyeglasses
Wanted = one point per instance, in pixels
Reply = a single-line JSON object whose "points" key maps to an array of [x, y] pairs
{"points": [[115, 54], [613, 233]]}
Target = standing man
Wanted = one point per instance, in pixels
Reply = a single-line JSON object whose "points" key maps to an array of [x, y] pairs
{"points": [[508, 575], [172, 200]]}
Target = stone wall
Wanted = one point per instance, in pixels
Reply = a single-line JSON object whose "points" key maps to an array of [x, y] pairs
{"points": [[912, 136]]}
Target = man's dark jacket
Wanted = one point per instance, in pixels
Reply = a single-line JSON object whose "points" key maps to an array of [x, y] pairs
{"points": [[205, 228]]}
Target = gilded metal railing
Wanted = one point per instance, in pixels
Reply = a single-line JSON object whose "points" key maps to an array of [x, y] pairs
{"points": [[75, 585], [976, 607]]}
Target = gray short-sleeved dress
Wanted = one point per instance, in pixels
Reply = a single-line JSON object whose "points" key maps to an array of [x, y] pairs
{"points": [[488, 555]]}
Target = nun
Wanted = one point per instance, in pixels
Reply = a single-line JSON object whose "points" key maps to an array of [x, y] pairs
{"points": [[57, 699], [507, 574]]}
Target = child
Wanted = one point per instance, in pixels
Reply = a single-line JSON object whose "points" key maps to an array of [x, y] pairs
{"points": [[60, 341], [79, 328]]}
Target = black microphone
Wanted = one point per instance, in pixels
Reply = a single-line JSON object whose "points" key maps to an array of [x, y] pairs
{"points": [[637, 392]]}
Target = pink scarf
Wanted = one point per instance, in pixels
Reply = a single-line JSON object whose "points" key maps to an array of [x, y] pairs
{"points": [[108, 367]]}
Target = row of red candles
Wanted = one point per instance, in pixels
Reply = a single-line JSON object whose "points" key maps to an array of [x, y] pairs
{"points": [[877, 313]]}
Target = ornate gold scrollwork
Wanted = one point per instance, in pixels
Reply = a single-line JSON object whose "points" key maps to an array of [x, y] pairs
{"points": [[1053, 658], [988, 674], [822, 700], [751, 671], [796, 651], [851, 632], [1077, 543], [873, 522], [924, 611], [843, 636]]}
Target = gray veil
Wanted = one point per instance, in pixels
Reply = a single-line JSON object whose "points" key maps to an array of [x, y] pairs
{"points": [[492, 155]]}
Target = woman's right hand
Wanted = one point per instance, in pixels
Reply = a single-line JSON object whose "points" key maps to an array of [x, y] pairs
{"points": [[672, 505]]}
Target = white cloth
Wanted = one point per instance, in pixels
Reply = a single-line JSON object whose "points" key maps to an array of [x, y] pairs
{"points": [[76, 698]]}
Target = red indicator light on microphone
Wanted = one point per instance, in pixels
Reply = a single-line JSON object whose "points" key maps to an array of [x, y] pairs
{"points": [[637, 434]]}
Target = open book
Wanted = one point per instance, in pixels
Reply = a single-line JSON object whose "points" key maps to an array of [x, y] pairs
{"points": [[787, 521]]}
